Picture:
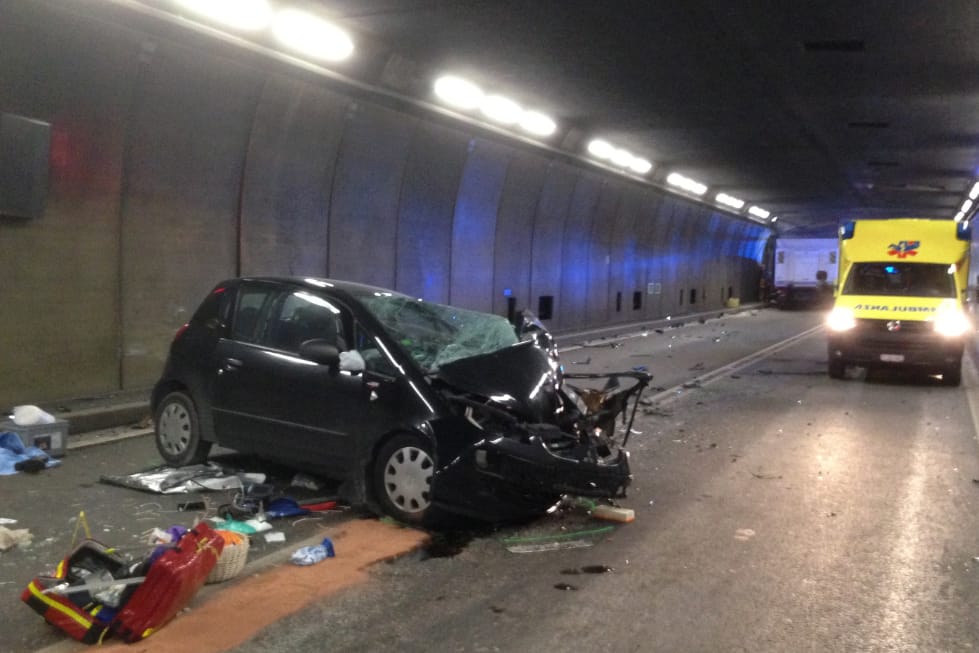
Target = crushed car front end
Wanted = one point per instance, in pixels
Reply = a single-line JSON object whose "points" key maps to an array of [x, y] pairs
{"points": [[518, 437]]}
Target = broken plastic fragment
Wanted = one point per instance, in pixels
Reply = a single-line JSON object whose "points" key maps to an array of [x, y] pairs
{"points": [[9, 538]]}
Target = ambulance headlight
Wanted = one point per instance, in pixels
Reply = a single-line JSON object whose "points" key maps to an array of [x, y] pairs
{"points": [[841, 318], [952, 323]]}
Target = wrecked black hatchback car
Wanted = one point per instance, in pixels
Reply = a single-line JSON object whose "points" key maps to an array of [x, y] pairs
{"points": [[414, 406]]}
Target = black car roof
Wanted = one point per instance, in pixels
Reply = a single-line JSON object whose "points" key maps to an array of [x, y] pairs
{"points": [[316, 283]]}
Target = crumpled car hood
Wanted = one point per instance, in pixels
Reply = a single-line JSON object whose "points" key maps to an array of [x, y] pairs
{"points": [[520, 378]]}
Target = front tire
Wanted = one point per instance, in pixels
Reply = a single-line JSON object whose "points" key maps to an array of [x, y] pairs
{"points": [[178, 431], [402, 475]]}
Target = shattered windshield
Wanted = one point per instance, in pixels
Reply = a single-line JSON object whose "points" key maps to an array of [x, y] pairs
{"points": [[435, 334], [901, 279]]}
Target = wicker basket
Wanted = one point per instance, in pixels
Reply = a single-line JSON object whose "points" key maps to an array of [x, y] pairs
{"points": [[232, 558]]}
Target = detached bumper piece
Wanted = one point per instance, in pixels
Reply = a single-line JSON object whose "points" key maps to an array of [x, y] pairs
{"points": [[94, 592], [532, 467]]}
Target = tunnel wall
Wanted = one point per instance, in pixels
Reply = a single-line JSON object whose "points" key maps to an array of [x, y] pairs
{"points": [[175, 164]]}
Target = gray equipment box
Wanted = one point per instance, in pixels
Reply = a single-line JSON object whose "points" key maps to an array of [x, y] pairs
{"points": [[51, 438]]}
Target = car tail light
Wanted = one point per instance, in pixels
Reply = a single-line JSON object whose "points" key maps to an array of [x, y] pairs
{"points": [[180, 331]]}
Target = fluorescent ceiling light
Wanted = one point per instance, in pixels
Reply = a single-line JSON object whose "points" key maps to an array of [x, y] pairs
{"points": [[640, 166], [458, 92], [500, 109], [729, 200], [966, 205], [759, 212], [248, 15], [974, 193], [537, 123], [959, 216], [774, 218], [622, 157], [687, 184], [311, 35], [601, 149]]}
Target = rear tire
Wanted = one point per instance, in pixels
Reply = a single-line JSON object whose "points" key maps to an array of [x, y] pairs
{"points": [[837, 369], [402, 479], [178, 431], [952, 375]]}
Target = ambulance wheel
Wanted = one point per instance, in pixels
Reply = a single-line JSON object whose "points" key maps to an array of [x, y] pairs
{"points": [[403, 471], [837, 369], [178, 431], [952, 375]]}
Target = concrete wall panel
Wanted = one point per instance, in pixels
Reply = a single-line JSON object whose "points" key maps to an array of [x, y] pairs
{"points": [[575, 253], [650, 232], [288, 179], [182, 184], [366, 191], [474, 225], [623, 276], [428, 199], [60, 283], [514, 233], [600, 255], [548, 239]]}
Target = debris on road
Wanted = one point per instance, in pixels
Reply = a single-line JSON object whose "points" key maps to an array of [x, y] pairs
{"points": [[556, 542], [9, 538], [14, 454], [136, 596], [310, 555], [192, 478], [613, 513]]}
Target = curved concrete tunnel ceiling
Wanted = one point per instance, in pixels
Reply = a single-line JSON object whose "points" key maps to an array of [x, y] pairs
{"points": [[809, 114], [813, 112]]}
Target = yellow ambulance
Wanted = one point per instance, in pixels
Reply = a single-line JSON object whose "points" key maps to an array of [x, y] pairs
{"points": [[901, 297]]}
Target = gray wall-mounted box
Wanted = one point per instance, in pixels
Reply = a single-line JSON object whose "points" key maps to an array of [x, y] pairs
{"points": [[25, 151]]}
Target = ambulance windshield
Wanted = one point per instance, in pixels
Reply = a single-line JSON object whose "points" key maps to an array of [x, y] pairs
{"points": [[900, 279]]}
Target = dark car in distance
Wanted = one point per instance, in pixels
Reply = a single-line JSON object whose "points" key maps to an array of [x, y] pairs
{"points": [[415, 406]]}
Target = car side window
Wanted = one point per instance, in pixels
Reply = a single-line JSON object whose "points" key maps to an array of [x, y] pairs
{"points": [[374, 359], [300, 316], [254, 303]]}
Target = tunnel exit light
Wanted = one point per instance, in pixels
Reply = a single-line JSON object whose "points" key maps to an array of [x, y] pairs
{"points": [[974, 193], [311, 36], [247, 15], [759, 212]]}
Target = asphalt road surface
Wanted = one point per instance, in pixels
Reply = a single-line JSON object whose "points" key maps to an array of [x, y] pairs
{"points": [[776, 510]]}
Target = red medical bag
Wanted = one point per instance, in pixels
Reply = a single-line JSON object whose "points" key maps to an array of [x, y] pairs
{"points": [[171, 581]]}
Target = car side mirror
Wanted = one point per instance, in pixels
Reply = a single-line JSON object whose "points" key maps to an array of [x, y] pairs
{"points": [[320, 351]]}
